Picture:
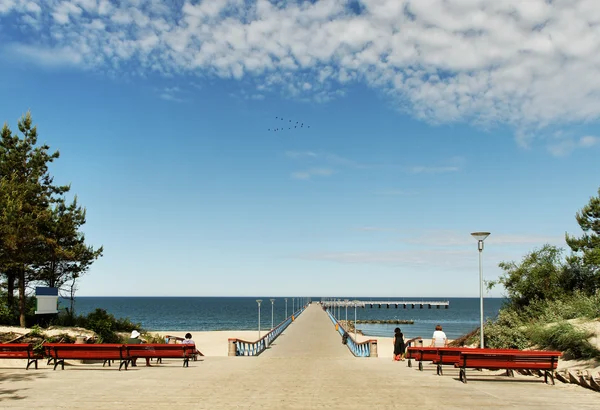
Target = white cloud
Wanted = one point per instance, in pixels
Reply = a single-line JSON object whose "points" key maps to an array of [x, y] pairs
{"points": [[395, 192], [529, 64], [432, 170], [567, 145], [171, 94], [57, 57], [309, 173]]}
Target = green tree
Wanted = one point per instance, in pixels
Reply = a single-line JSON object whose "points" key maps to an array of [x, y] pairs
{"points": [[39, 232], [539, 276], [67, 256], [587, 247]]}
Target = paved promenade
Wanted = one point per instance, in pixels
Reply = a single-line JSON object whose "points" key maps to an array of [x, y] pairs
{"points": [[306, 368]]}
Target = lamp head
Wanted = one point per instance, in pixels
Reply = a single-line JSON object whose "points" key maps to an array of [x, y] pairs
{"points": [[480, 236], [259, 301]]}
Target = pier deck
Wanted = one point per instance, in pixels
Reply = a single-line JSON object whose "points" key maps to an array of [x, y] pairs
{"points": [[306, 368]]}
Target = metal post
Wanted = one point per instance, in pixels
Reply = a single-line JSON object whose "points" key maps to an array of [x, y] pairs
{"points": [[481, 296], [272, 304], [480, 236], [286, 308], [259, 302], [346, 303], [356, 340], [293, 310]]}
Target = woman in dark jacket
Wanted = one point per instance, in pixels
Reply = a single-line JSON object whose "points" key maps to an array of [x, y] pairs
{"points": [[398, 345]]}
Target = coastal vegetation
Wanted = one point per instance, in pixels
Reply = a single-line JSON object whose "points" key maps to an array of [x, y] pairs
{"points": [[553, 298], [41, 242]]}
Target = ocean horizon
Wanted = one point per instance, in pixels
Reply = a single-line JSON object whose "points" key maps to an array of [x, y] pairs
{"points": [[210, 313]]}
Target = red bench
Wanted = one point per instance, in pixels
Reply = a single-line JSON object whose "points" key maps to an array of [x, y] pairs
{"points": [[421, 354], [20, 351], [162, 351], [59, 352], [509, 360], [447, 355]]}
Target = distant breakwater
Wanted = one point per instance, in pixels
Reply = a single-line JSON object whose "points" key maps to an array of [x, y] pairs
{"points": [[388, 322]]}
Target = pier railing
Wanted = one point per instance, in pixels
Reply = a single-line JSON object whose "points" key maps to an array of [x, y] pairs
{"points": [[367, 348], [239, 347]]}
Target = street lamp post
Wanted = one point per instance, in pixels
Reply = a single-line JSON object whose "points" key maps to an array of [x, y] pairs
{"points": [[480, 237], [259, 301], [346, 303], [286, 308], [355, 322], [272, 304]]}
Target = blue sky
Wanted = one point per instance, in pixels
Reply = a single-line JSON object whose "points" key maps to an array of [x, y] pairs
{"points": [[428, 120]]}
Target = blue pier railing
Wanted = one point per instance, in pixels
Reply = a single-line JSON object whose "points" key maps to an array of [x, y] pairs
{"points": [[238, 347], [363, 349]]}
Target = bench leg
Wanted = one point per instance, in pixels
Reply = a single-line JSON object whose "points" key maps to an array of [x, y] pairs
{"points": [[510, 373], [123, 363], [409, 363], [546, 374], [186, 362], [61, 362], [462, 375], [29, 362], [420, 365], [50, 361]]}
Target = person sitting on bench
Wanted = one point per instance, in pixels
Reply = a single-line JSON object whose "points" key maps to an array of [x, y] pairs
{"points": [[135, 340], [188, 339], [439, 338]]}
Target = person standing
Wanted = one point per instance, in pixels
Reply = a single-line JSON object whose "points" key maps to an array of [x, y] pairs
{"points": [[398, 345]]}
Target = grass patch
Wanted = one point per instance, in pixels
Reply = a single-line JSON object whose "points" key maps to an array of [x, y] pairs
{"points": [[563, 336]]}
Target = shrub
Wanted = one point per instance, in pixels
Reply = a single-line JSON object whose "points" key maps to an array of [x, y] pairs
{"points": [[566, 338], [506, 332], [153, 338], [103, 323]]}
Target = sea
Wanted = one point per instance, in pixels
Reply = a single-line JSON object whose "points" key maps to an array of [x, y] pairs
{"points": [[241, 313]]}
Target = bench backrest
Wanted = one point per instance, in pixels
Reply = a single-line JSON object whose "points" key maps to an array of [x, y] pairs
{"points": [[160, 350], [85, 351], [451, 355], [17, 351], [502, 360]]}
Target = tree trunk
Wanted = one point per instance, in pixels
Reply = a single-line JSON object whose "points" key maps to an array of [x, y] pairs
{"points": [[22, 299], [10, 287]]}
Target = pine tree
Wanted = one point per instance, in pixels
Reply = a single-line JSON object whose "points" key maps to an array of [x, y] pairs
{"points": [[588, 245], [39, 233]]}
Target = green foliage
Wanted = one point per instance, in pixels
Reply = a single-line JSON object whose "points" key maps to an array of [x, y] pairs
{"points": [[564, 337], [153, 338], [506, 332], [35, 331], [538, 277], [588, 244], [105, 325], [40, 238], [572, 306], [542, 324]]}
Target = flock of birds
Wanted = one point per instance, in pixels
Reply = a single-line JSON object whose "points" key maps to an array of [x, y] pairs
{"points": [[289, 125]]}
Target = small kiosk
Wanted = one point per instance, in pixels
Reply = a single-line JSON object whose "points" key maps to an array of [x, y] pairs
{"points": [[46, 301]]}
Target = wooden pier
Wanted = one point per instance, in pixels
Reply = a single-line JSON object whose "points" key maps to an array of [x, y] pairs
{"points": [[405, 304]]}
